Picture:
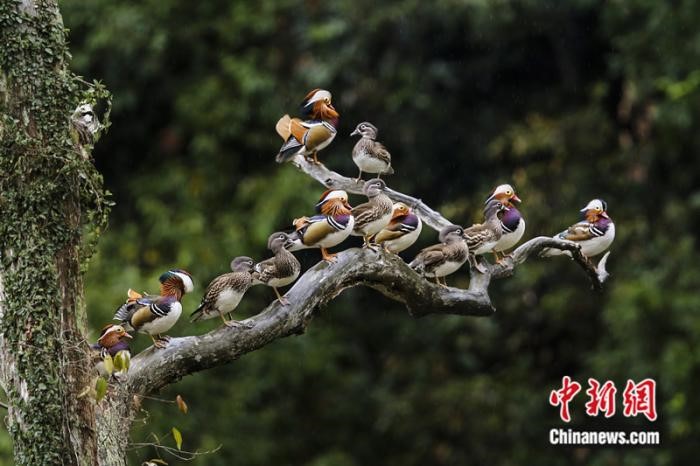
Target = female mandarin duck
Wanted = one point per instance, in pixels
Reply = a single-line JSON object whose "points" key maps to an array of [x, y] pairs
{"points": [[280, 270], [225, 292], [595, 233], [512, 223], [369, 155], [403, 230], [444, 258], [372, 216], [330, 228], [112, 342], [481, 238], [316, 132], [154, 315]]}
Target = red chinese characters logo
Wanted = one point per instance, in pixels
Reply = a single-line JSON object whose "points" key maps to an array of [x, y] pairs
{"points": [[640, 398], [563, 397], [601, 398], [637, 398]]}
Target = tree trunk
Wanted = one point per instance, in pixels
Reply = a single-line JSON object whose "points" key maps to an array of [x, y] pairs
{"points": [[48, 192]]}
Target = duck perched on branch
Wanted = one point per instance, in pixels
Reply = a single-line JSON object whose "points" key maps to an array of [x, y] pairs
{"points": [[481, 238], [402, 231], [225, 292], [278, 271], [155, 315], [333, 226], [595, 233], [444, 258], [512, 222], [369, 155], [307, 137], [372, 216]]}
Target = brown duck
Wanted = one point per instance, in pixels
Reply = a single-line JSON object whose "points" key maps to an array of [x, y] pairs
{"points": [[444, 258], [281, 269]]}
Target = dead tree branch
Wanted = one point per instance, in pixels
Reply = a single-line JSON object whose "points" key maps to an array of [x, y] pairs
{"points": [[387, 273]]}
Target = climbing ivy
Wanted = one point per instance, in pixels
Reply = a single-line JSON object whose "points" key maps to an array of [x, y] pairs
{"points": [[53, 208]]}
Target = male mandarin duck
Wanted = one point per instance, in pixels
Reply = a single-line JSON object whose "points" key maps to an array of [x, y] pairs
{"points": [[225, 292], [281, 269], [512, 222], [154, 315], [330, 228], [444, 258], [595, 233], [402, 231], [112, 342], [481, 238], [316, 132], [369, 155], [372, 216]]}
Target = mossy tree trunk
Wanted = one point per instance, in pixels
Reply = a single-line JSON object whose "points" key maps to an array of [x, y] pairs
{"points": [[51, 202]]}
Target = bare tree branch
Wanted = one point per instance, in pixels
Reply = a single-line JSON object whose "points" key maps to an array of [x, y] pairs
{"points": [[387, 273], [331, 179], [597, 274]]}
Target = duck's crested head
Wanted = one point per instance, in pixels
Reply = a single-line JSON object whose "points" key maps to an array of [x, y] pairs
{"points": [[111, 335], [277, 241], [317, 105], [400, 209], [504, 193], [374, 187], [176, 282], [493, 207], [594, 209], [333, 201], [242, 264], [451, 233], [366, 130]]}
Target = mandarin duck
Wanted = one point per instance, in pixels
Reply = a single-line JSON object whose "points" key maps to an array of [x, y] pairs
{"points": [[372, 216], [369, 155], [483, 237], [154, 315], [330, 228], [595, 233], [314, 133], [402, 231], [225, 292], [113, 343], [512, 222], [444, 258], [281, 269]]}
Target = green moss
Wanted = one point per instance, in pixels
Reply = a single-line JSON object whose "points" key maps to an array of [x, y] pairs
{"points": [[52, 204]]}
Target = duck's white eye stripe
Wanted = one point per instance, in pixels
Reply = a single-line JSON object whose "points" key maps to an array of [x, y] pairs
{"points": [[186, 281]]}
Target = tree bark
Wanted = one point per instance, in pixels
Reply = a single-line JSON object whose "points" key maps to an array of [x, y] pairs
{"points": [[44, 360]]}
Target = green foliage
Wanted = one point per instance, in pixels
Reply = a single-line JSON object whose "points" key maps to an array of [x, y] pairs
{"points": [[100, 388], [566, 100], [51, 198]]}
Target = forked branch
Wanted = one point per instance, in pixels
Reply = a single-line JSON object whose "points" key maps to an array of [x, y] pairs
{"points": [[385, 272]]}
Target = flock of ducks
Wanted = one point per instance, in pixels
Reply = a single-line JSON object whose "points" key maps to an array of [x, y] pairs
{"points": [[382, 223]]}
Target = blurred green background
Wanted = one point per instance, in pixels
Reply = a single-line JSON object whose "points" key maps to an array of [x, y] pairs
{"points": [[566, 100]]}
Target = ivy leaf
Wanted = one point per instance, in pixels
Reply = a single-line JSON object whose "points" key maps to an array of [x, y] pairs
{"points": [[100, 389], [109, 364], [122, 360], [181, 405], [178, 438]]}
